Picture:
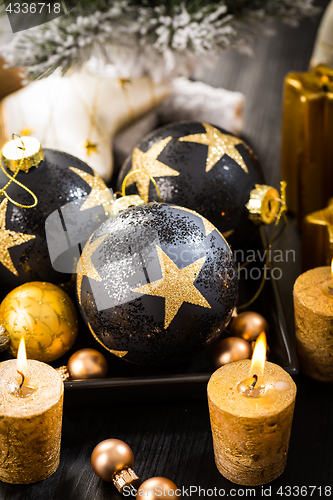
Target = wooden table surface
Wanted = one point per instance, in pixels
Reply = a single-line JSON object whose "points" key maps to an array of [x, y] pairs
{"points": [[173, 439]]}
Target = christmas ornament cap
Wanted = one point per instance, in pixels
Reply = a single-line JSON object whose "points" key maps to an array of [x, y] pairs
{"points": [[22, 152], [125, 202], [263, 205]]}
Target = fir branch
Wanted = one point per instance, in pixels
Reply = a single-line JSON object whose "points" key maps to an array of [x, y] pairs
{"points": [[147, 37]]}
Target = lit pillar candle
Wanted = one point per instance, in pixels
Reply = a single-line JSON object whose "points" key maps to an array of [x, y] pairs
{"points": [[31, 402], [313, 304], [251, 406]]}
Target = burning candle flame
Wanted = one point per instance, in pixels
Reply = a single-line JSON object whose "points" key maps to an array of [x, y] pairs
{"points": [[22, 363], [259, 356]]}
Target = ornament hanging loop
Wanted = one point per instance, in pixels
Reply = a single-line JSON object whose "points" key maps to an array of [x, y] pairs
{"points": [[12, 178], [123, 186]]}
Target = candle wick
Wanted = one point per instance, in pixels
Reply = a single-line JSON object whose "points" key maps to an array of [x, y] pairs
{"points": [[254, 382], [23, 377]]}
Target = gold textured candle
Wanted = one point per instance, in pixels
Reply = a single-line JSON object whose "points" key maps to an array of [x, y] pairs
{"points": [[30, 422], [313, 303], [307, 146], [251, 421]]}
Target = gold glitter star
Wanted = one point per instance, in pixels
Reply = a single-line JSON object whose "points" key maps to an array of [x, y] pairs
{"points": [[120, 354], [176, 286], [91, 147], [148, 162], [208, 226], [9, 239], [99, 194], [26, 131], [85, 267], [218, 145]]}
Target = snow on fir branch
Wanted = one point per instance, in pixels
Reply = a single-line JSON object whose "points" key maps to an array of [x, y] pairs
{"points": [[161, 39]]}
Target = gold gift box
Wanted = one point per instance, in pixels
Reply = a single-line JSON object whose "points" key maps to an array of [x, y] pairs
{"points": [[317, 238], [307, 140]]}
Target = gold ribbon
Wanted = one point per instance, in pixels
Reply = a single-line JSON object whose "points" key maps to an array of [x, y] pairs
{"points": [[13, 179], [123, 186]]}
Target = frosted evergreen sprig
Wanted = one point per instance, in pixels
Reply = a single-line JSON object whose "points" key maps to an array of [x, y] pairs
{"points": [[161, 39]]}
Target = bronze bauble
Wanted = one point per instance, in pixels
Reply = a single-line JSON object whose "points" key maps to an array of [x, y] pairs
{"points": [[87, 364], [111, 456], [158, 487], [248, 325], [231, 349]]}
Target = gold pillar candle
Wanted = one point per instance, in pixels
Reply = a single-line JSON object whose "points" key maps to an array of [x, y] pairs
{"points": [[317, 238], [307, 146], [251, 421], [30, 422], [313, 304]]}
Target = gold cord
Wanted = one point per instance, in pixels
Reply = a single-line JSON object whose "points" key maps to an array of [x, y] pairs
{"points": [[282, 212], [123, 186], [12, 178]]}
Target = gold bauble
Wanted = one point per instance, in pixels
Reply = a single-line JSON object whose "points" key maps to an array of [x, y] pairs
{"points": [[231, 349], [248, 325], [158, 487], [44, 315], [109, 457], [87, 364]]}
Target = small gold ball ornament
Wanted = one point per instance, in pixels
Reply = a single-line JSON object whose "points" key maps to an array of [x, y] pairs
{"points": [[231, 349], [158, 487], [87, 364], [44, 315], [248, 325], [112, 460]]}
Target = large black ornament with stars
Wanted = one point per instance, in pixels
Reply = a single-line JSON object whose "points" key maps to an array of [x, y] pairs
{"points": [[57, 181], [198, 166], [156, 283]]}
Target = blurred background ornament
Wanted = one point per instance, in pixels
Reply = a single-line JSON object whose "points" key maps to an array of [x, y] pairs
{"points": [[56, 180], [323, 47], [84, 364], [158, 282], [307, 146], [112, 460], [44, 315], [206, 169], [231, 349], [248, 325], [318, 229]]}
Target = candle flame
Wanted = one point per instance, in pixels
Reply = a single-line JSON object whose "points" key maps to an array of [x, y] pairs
{"points": [[259, 356], [22, 363]]}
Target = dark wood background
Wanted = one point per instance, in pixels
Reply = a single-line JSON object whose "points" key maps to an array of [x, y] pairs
{"points": [[173, 439]]}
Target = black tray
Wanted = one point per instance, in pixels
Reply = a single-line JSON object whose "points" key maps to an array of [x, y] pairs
{"points": [[127, 382]]}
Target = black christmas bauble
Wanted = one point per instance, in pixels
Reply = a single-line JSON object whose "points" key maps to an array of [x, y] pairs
{"points": [[59, 181], [202, 167], [156, 283]]}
